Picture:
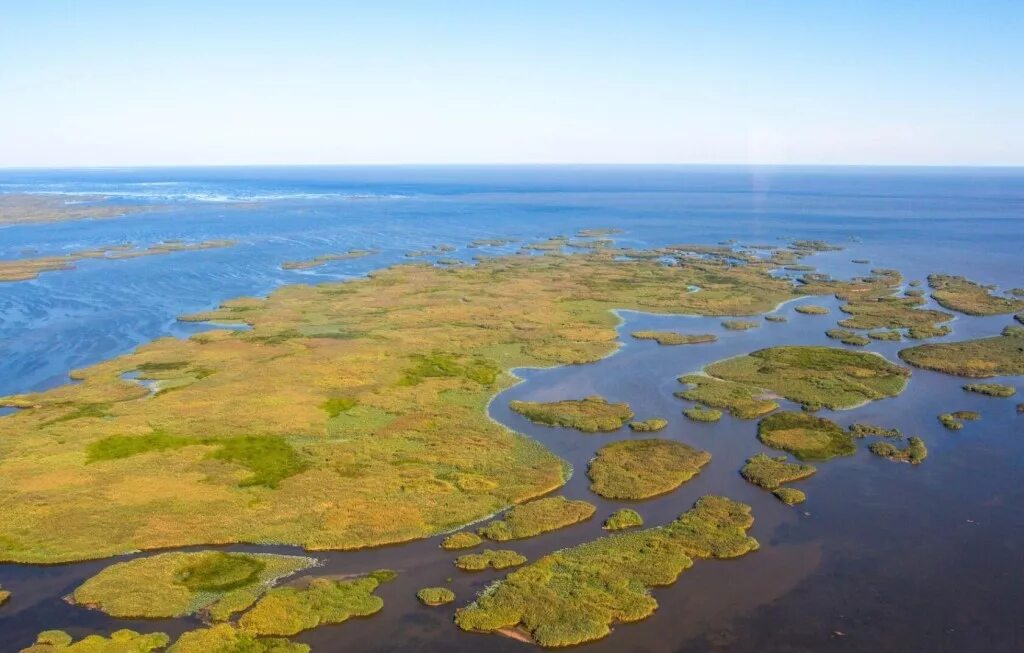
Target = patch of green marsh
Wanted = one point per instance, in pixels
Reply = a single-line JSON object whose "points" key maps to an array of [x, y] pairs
{"points": [[770, 473], [955, 421], [848, 337], [741, 400], [463, 540], [489, 559], [575, 595], [740, 325], [991, 389], [225, 638], [622, 519], [443, 365], [863, 430], [966, 296], [638, 469], [674, 337], [790, 495], [590, 415], [702, 414], [120, 641], [811, 309], [914, 453], [536, 517], [1002, 355], [649, 425], [805, 436], [434, 596]]}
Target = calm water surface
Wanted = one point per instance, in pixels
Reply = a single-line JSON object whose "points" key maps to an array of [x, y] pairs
{"points": [[882, 556]]}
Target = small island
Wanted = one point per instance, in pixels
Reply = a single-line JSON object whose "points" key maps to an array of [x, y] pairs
{"points": [[590, 415], [805, 436], [640, 469], [674, 337]]}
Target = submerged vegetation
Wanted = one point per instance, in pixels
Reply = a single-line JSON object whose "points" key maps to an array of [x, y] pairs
{"points": [[702, 414], [741, 400], [622, 519], [991, 389], [649, 425], [489, 559], [536, 517], [323, 259], [914, 453], [770, 473], [639, 469], [805, 436], [463, 540], [590, 415], [1001, 355], [674, 337], [285, 611], [434, 596], [966, 296], [575, 595]]}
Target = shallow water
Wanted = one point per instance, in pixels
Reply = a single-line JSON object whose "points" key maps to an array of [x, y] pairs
{"points": [[882, 555]]}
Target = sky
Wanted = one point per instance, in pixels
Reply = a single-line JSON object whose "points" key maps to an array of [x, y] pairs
{"points": [[884, 82]]}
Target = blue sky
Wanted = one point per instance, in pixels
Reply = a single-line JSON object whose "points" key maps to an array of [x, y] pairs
{"points": [[206, 83]]}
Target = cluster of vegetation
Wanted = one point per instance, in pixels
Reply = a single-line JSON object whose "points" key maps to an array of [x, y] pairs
{"points": [[575, 595], [863, 430], [434, 596], [955, 421], [811, 309], [814, 376], [622, 519], [649, 425], [4, 595], [639, 469], [225, 638], [991, 389], [848, 337], [491, 242], [674, 337], [740, 325], [590, 415], [926, 331], [891, 335], [770, 473], [892, 313], [860, 261], [433, 250], [326, 258], [176, 584], [285, 611], [463, 540], [121, 641], [442, 365], [1001, 355], [739, 399], [805, 436], [790, 495], [966, 296], [776, 318], [536, 517], [702, 414], [914, 453], [489, 559]]}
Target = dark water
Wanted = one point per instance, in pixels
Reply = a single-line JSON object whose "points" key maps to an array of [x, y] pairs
{"points": [[882, 556]]}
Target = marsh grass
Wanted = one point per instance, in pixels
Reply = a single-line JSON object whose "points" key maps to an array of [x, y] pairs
{"points": [[991, 389], [622, 519], [776, 318], [740, 325], [966, 296], [790, 495], [649, 425], [1001, 355], [890, 335], [863, 430], [639, 469], [120, 641], [225, 638], [590, 415], [848, 337], [674, 337], [463, 540], [771, 472], [811, 309], [536, 517], [489, 559], [702, 414], [805, 436], [434, 596], [741, 400], [286, 611], [914, 453]]}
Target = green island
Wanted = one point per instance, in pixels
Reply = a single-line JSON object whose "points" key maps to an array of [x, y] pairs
{"points": [[955, 421], [805, 436], [674, 337], [30, 268], [640, 469], [575, 595], [1001, 355], [740, 400], [622, 519], [891, 335], [848, 337], [489, 559], [285, 611], [863, 430], [225, 638], [536, 517], [790, 495], [914, 453], [435, 596], [771, 472], [649, 425], [4, 595], [590, 415], [214, 583], [323, 259], [811, 309], [740, 325], [813, 376], [776, 318], [462, 540], [925, 331], [491, 242], [702, 414], [28, 208], [433, 250], [966, 296], [120, 641], [991, 389]]}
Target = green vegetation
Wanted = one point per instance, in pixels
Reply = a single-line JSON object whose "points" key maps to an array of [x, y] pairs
{"points": [[925, 331], [770, 473], [814, 376], [701, 414], [121, 641], [489, 559], [790, 495], [674, 337], [638, 469], [740, 325], [536, 517], [622, 519], [463, 540], [955, 421], [327, 258], [741, 400], [966, 296], [4, 595], [991, 389], [337, 405], [1001, 355], [590, 415], [805, 436], [914, 453], [862, 430], [225, 638], [576, 594], [811, 309], [440, 365], [891, 335], [215, 583], [847, 337], [285, 611], [874, 312], [776, 318], [649, 425], [434, 596]]}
